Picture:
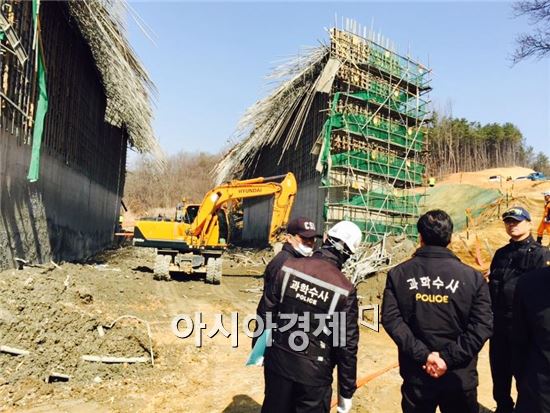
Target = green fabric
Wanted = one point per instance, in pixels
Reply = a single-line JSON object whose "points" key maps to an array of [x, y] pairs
{"points": [[2, 35], [381, 164], [375, 230], [377, 163], [327, 130], [41, 108], [397, 66], [380, 96], [386, 202], [370, 162], [359, 124]]}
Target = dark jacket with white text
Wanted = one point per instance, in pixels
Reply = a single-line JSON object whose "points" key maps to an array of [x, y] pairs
{"points": [[316, 286], [434, 302]]}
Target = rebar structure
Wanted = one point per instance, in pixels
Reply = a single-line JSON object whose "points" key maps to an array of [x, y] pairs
{"points": [[73, 98], [349, 119], [374, 136]]}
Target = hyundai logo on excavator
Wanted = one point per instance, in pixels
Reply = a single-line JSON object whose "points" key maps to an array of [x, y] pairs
{"points": [[249, 190]]}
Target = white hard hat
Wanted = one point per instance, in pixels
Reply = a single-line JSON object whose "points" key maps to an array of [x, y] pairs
{"points": [[547, 193], [347, 232]]}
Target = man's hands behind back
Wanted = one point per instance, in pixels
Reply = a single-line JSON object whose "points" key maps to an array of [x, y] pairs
{"points": [[435, 366]]}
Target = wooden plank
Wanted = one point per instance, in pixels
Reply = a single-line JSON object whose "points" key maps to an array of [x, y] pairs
{"points": [[114, 360], [14, 351]]}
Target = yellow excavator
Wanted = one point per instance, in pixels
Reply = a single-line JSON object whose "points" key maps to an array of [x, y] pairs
{"points": [[194, 241]]}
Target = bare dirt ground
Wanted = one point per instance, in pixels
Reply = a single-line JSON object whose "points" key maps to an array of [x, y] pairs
{"points": [[54, 313]]}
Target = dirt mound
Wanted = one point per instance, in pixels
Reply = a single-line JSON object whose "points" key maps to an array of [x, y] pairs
{"points": [[481, 178], [456, 198], [44, 311], [477, 244], [473, 190]]}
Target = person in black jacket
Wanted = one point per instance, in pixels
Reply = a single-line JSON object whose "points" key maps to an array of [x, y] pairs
{"points": [[531, 341], [300, 240], [509, 264], [438, 312], [314, 307]]}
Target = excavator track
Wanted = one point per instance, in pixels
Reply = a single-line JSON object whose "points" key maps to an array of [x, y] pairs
{"points": [[161, 270], [214, 271]]}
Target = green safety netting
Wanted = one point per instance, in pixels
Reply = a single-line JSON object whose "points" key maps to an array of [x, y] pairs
{"points": [[357, 121], [388, 90], [385, 202], [375, 230], [397, 66], [385, 61], [409, 108], [381, 164], [378, 129], [41, 107]]}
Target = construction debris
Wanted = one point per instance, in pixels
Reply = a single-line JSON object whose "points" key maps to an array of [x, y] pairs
{"points": [[57, 321], [127, 85], [104, 267], [377, 258], [57, 377], [258, 290], [242, 261], [112, 360], [14, 351], [148, 327]]}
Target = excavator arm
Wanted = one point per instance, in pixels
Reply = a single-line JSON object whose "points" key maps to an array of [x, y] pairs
{"points": [[283, 192]]}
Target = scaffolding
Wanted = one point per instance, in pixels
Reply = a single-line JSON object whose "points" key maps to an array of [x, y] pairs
{"points": [[374, 137]]}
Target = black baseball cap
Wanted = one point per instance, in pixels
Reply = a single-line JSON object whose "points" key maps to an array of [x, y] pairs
{"points": [[303, 227], [517, 213]]}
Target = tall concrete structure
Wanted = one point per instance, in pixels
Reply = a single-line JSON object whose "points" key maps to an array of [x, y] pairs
{"points": [[69, 208], [350, 121]]}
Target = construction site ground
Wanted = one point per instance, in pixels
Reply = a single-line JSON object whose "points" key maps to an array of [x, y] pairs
{"points": [[54, 311]]}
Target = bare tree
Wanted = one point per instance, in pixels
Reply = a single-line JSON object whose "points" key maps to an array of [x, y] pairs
{"points": [[187, 175], [537, 43], [541, 163]]}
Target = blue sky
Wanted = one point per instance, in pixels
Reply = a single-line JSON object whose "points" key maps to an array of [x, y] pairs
{"points": [[210, 60]]}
